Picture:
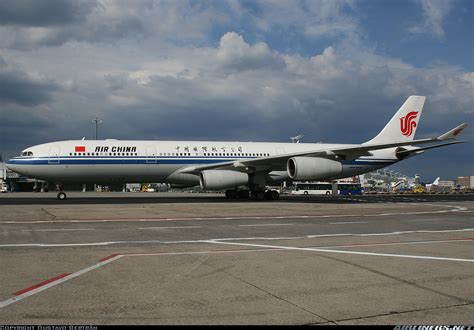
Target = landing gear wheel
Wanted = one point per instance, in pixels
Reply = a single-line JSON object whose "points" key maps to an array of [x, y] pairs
{"points": [[62, 195], [231, 194], [244, 194], [275, 195], [258, 195]]}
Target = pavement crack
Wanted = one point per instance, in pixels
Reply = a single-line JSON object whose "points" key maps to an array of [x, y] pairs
{"points": [[50, 215], [402, 312], [266, 291], [395, 278]]}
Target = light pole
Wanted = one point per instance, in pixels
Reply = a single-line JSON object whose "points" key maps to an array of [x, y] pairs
{"points": [[97, 122]]}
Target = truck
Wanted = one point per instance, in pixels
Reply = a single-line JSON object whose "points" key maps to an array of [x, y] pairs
{"points": [[3, 187]]}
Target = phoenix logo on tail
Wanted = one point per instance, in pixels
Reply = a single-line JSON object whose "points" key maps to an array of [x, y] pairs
{"points": [[407, 123]]}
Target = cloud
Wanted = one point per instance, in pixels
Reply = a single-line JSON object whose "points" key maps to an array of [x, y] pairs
{"points": [[226, 70], [26, 25], [235, 54], [312, 19], [434, 14], [19, 87], [43, 13]]}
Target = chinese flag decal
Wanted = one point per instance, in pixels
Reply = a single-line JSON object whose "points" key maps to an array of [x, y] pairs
{"points": [[80, 149]]}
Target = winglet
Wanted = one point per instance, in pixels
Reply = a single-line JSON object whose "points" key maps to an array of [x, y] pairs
{"points": [[452, 133]]}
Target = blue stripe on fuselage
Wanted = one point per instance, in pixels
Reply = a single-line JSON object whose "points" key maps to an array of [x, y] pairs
{"points": [[160, 160]]}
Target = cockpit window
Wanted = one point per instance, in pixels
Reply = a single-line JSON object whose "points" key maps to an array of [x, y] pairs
{"points": [[26, 153]]}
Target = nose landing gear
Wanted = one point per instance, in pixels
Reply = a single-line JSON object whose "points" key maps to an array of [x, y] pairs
{"points": [[61, 195]]}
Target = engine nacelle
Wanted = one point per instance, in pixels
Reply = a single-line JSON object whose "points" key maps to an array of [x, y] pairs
{"points": [[312, 168], [222, 179]]}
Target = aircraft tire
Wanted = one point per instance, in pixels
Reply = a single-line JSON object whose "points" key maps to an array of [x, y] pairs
{"points": [[275, 195], [62, 195], [244, 194], [258, 195], [232, 194]]}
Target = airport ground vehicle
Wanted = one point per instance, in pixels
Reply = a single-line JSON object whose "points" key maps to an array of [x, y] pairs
{"points": [[313, 188], [325, 188], [346, 188], [3, 187]]}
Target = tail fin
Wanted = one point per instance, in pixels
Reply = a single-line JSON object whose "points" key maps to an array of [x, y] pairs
{"points": [[402, 126], [436, 182]]}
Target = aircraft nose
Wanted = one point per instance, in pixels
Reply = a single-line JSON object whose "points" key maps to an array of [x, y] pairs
{"points": [[11, 165]]}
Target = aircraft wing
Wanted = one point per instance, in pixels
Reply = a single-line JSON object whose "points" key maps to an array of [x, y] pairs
{"points": [[278, 162]]}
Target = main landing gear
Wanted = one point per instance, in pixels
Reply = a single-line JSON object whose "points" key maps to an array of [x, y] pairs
{"points": [[258, 195]]}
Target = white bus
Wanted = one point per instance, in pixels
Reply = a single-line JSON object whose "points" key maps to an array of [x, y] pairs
{"points": [[325, 188], [313, 188]]}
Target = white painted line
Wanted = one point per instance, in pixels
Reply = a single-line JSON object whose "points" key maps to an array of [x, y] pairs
{"points": [[345, 223], [59, 281], [460, 240], [416, 231], [324, 250], [112, 259], [80, 229], [177, 227], [268, 225], [454, 209], [433, 219], [230, 239], [197, 252]]}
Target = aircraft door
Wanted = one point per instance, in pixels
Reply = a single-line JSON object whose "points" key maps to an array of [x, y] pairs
{"points": [[280, 151], [54, 153], [151, 155]]}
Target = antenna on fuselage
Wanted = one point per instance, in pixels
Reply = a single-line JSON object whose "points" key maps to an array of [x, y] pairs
{"points": [[296, 139]]}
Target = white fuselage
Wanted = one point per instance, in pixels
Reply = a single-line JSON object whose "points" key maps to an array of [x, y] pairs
{"points": [[122, 161]]}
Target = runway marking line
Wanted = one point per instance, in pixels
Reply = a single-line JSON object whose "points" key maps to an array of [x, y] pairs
{"points": [[25, 293], [455, 208], [176, 227], [54, 281], [268, 225], [110, 257], [78, 229], [325, 250], [229, 239], [41, 284], [22, 294]]}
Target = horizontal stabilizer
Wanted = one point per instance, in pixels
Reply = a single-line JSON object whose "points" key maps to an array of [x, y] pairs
{"points": [[405, 153], [453, 133]]}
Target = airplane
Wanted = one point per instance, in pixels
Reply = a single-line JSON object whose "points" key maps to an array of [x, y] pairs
{"points": [[227, 165], [430, 187]]}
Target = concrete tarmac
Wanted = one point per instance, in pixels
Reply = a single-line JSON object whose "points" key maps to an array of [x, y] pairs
{"points": [[154, 258]]}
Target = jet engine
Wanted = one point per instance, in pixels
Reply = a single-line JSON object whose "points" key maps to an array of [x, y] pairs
{"points": [[312, 168], [222, 179]]}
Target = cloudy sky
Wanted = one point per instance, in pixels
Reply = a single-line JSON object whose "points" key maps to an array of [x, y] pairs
{"points": [[245, 70]]}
